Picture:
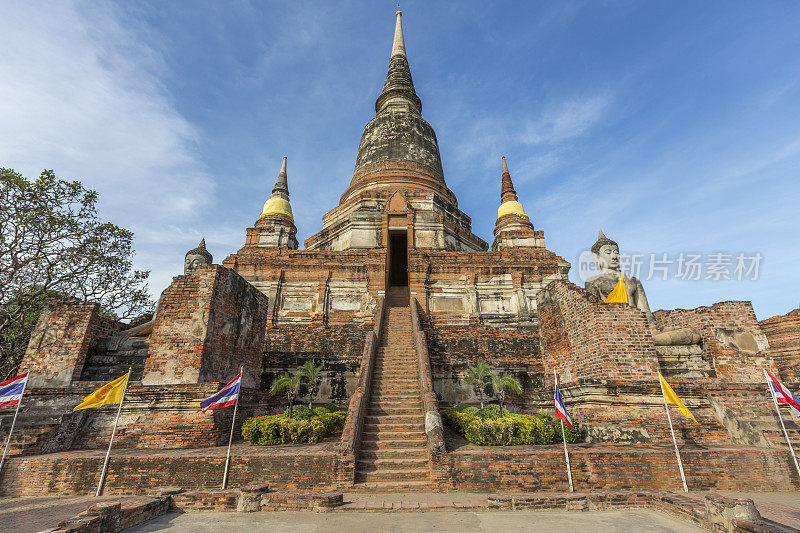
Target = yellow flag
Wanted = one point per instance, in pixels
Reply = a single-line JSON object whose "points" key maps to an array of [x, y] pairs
{"points": [[619, 295], [108, 394], [672, 398]]}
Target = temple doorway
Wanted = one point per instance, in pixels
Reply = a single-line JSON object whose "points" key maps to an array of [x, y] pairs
{"points": [[398, 259]]}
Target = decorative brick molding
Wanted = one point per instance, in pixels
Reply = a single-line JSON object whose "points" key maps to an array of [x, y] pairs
{"points": [[61, 340], [351, 433], [208, 324], [583, 338]]}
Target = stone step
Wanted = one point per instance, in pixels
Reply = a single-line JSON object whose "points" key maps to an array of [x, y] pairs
{"points": [[380, 403], [388, 410], [395, 432], [384, 464], [409, 474], [391, 452], [388, 444], [393, 423], [391, 486]]}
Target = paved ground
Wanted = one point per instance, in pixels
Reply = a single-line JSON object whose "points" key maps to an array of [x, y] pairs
{"points": [[545, 521], [38, 514]]}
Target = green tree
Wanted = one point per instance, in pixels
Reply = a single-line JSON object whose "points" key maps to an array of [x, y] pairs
{"points": [[479, 375], [309, 372], [54, 246], [288, 384], [502, 385]]}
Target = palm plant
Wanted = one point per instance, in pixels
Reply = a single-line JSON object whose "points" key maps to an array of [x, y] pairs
{"points": [[502, 384], [309, 371], [478, 375], [288, 384]]}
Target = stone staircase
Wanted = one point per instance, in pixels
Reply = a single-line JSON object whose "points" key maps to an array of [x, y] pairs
{"points": [[393, 453], [106, 365]]}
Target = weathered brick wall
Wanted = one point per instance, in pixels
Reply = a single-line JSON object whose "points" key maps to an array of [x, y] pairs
{"points": [[61, 340], [583, 338], [208, 324], [521, 468], [338, 347], [299, 467], [783, 334], [718, 322]]}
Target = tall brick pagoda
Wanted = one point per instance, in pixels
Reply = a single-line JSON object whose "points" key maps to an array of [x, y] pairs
{"points": [[396, 296]]}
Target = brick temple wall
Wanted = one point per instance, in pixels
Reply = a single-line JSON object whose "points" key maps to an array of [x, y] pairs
{"points": [[583, 338], [61, 340], [724, 326], [338, 347], [783, 334], [208, 324]]}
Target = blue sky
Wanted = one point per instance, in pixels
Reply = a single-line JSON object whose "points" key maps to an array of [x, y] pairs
{"points": [[671, 125]]}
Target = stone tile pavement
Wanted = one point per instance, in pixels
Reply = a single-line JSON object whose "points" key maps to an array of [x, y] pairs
{"points": [[32, 514]]}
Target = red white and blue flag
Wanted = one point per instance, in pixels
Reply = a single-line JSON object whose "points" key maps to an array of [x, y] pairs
{"points": [[782, 394], [229, 395], [11, 390], [561, 410]]}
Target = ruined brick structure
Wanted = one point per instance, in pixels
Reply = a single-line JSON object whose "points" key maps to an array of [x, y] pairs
{"points": [[396, 295]]}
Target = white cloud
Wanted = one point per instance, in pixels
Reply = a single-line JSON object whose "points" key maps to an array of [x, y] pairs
{"points": [[80, 94]]}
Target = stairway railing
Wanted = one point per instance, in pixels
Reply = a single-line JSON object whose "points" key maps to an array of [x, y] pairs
{"points": [[354, 423], [433, 420]]}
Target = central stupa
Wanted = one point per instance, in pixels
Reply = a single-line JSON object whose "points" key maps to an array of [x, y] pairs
{"points": [[398, 159]]}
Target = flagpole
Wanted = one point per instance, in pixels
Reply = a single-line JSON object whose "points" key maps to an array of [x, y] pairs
{"points": [[113, 432], [233, 424], [13, 422], [564, 439], [672, 431], [778, 410]]}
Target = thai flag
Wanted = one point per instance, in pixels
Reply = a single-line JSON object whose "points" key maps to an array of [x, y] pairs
{"points": [[229, 395], [11, 390], [782, 394], [561, 410]]}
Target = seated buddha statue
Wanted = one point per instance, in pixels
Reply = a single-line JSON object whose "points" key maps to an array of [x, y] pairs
{"points": [[191, 262], [612, 286]]}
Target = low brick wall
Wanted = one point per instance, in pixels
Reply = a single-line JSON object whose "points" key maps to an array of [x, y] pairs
{"points": [[654, 468], [115, 516], [290, 467]]}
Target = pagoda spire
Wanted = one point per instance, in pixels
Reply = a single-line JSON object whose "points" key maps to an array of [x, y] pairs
{"points": [[278, 202], [281, 188], [399, 86], [509, 205], [507, 192]]}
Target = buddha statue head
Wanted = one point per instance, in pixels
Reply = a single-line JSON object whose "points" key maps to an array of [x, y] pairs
{"points": [[196, 257], [606, 253]]}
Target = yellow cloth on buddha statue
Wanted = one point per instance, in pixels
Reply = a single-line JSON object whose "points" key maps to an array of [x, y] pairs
{"points": [[619, 295]]}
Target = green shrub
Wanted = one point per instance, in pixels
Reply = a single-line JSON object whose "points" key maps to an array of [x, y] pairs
{"points": [[491, 432], [573, 435], [513, 429], [300, 412], [332, 407], [491, 412], [318, 411], [459, 407], [333, 422], [306, 426]]}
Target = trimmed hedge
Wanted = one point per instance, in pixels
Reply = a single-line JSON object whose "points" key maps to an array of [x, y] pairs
{"points": [[486, 427], [305, 426]]}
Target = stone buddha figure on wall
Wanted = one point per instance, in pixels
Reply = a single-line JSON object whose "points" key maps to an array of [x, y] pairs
{"points": [[627, 289], [192, 261]]}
